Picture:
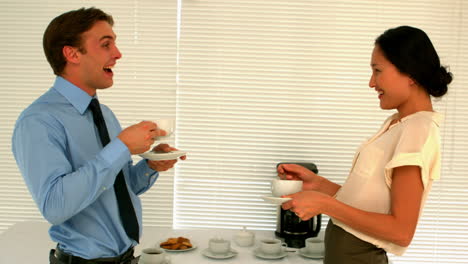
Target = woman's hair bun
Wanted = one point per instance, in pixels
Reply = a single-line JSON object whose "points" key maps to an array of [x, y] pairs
{"points": [[446, 77], [437, 87]]}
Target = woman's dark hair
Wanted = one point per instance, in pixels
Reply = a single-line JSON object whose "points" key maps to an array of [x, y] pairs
{"points": [[66, 30], [412, 53]]}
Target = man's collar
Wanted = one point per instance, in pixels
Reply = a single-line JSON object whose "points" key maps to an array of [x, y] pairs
{"points": [[77, 97]]}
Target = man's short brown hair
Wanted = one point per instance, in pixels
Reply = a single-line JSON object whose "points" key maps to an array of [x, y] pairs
{"points": [[66, 30]]}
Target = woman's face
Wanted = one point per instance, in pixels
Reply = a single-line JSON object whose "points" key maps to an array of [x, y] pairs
{"points": [[392, 86]]}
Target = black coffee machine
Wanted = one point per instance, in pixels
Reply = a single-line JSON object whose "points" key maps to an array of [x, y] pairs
{"points": [[290, 227]]}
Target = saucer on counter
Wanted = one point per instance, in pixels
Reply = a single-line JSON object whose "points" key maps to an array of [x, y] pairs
{"points": [[258, 253], [143, 262], [305, 253], [207, 253], [181, 250]]}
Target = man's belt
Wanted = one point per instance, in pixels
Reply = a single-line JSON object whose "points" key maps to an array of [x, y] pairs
{"points": [[70, 259]]}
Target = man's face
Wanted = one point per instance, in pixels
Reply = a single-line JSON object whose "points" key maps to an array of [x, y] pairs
{"points": [[98, 57]]}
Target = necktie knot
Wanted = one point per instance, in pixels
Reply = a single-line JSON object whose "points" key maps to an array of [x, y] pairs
{"points": [[94, 103], [94, 106]]}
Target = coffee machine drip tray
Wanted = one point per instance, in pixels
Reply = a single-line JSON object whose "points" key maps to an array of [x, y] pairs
{"points": [[295, 241], [295, 233]]}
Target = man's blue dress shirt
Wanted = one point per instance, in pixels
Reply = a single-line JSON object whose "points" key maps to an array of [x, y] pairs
{"points": [[71, 176]]}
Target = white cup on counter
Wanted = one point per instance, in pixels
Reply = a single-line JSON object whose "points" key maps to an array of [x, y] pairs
{"points": [[153, 256], [219, 246], [314, 246], [272, 246]]}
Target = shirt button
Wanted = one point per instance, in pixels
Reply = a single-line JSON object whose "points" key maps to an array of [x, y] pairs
{"points": [[104, 188], [147, 174]]}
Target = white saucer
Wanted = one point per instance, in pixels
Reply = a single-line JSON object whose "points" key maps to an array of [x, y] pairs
{"points": [[275, 200], [303, 252], [151, 155], [165, 262], [260, 254], [207, 253], [194, 246], [181, 250]]}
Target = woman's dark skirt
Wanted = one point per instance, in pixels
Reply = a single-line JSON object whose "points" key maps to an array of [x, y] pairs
{"points": [[342, 247]]}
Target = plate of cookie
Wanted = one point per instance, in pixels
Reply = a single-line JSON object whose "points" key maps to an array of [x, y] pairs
{"points": [[177, 244]]}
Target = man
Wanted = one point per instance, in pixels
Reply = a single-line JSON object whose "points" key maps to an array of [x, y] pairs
{"points": [[73, 154]]}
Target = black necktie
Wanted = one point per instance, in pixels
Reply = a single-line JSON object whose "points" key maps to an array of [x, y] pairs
{"points": [[126, 210]]}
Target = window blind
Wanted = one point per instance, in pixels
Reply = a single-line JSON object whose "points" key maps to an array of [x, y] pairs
{"points": [[262, 82], [144, 85]]}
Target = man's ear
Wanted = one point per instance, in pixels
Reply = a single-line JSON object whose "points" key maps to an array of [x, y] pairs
{"points": [[71, 54]]}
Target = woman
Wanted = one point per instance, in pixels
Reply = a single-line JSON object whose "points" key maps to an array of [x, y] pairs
{"points": [[377, 209]]}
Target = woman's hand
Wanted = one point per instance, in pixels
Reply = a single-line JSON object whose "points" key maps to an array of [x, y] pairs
{"points": [[306, 204], [311, 181]]}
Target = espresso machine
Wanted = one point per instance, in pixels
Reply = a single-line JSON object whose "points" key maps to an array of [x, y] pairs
{"points": [[290, 227]]}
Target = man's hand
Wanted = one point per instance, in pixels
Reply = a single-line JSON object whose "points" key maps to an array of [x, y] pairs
{"points": [[139, 137], [163, 165]]}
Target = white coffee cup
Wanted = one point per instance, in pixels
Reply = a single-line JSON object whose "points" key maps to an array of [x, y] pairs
{"points": [[271, 246], [153, 256], [219, 246], [285, 187], [314, 245], [166, 124]]}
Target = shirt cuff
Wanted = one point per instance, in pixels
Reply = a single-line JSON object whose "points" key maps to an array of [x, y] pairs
{"points": [[150, 176], [147, 169], [116, 152]]}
